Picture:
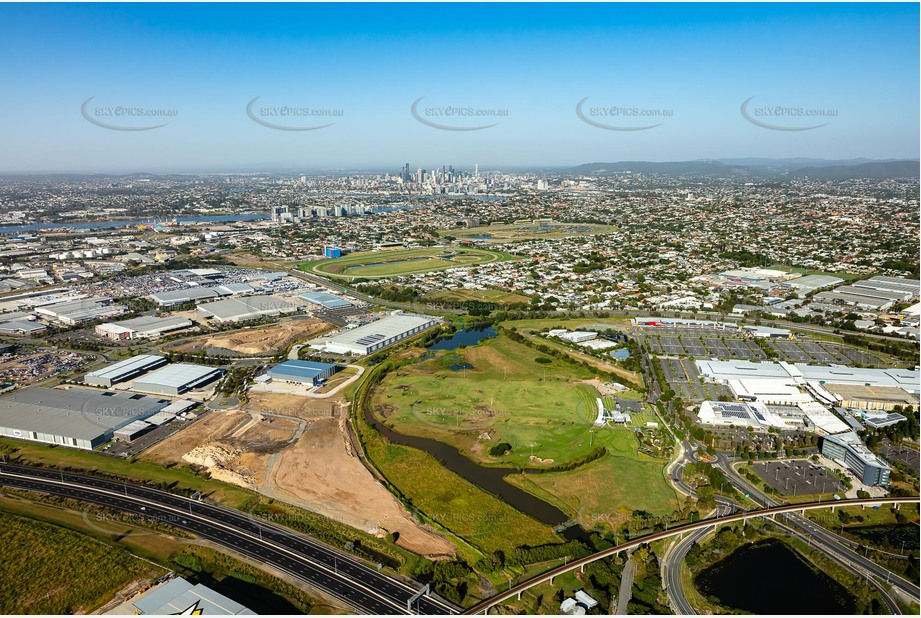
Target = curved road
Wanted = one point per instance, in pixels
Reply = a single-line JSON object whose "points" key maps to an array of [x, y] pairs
{"points": [[549, 575], [339, 575]]}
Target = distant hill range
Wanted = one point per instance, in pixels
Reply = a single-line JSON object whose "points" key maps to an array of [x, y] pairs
{"points": [[819, 169]]}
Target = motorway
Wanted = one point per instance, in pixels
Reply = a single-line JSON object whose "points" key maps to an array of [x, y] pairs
{"points": [[338, 575], [822, 537]]}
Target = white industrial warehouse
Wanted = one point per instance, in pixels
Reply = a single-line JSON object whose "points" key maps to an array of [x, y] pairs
{"points": [[176, 379], [74, 417], [142, 328], [377, 335], [125, 370], [723, 371], [247, 308]]}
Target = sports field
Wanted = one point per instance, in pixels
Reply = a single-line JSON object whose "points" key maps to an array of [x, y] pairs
{"points": [[529, 230], [393, 263]]}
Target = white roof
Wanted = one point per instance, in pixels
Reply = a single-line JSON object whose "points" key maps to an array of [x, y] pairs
{"points": [[381, 330], [770, 390], [126, 367], [823, 418], [176, 375]]}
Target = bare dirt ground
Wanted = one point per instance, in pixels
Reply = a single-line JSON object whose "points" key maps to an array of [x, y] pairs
{"points": [[265, 340], [233, 446], [319, 473], [293, 405], [254, 261], [200, 432], [306, 460]]}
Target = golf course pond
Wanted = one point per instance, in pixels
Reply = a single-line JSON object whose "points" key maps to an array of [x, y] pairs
{"points": [[751, 577], [464, 337]]}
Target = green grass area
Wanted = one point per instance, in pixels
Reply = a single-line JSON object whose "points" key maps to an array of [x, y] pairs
{"points": [[93, 521], [601, 365], [391, 263], [100, 526], [478, 519], [528, 230], [46, 569], [311, 523], [507, 394], [483, 296], [545, 411], [60, 457], [604, 493]]}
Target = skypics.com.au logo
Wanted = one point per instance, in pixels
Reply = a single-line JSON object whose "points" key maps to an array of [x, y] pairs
{"points": [[125, 117], [621, 117], [290, 117], [779, 117], [455, 117]]}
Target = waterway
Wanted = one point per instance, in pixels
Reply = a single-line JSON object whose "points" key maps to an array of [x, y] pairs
{"points": [[490, 479], [464, 337], [769, 577], [34, 227]]}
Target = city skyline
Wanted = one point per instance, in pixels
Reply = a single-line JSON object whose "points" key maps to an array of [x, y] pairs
{"points": [[321, 87]]}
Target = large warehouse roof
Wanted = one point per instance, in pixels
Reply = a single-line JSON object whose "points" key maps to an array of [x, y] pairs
{"points": [[123, 370], [330, 301], [380, 330], [179, 597], [245, 308], [78, 413], [372, 336], [305, 370], [833, 374], [910, 380], [147, 322], [739, 369], [178, 297], [177, 375], [376, 335]]}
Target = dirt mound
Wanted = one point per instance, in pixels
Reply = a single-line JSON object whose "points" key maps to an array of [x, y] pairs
{"points": [[265, 340], [218, 461]]}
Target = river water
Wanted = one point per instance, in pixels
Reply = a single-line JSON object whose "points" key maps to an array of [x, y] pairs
{"points": [[95, 225]]}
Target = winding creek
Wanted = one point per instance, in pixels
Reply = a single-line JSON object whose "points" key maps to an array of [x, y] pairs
{"points": [[490, 479]]}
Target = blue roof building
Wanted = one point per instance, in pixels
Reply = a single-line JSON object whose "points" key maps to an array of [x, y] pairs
{"points": [[302, 372]]}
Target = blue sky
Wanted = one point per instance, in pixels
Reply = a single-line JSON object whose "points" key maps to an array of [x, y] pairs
{"points": [[856, 63]]}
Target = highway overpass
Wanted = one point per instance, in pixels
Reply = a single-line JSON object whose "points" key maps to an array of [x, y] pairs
{"points": [[549, 576]]}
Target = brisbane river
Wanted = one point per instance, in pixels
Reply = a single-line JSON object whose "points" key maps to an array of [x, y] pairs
{"points": [[95, 225]]}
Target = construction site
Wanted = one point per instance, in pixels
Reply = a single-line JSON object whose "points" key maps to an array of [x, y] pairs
{"points": [[299, 450], [254, 341]]}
